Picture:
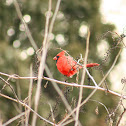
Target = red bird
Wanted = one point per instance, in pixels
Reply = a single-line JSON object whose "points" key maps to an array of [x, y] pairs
{"points": [[67, 65]]}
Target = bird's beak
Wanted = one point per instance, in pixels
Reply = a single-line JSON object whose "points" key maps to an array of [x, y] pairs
{"points": [[55, 58]]}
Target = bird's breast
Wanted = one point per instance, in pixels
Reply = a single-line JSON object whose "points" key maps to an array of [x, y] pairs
{"points": [[66, 66]]}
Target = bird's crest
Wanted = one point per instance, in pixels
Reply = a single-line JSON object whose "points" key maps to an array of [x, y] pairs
{"points": [[61, 53]]}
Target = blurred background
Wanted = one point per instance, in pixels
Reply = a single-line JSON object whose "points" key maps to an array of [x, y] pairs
{"points": [[69, 33]]}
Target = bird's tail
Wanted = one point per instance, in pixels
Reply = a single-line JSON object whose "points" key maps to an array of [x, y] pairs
{"points": [[92, 64]]}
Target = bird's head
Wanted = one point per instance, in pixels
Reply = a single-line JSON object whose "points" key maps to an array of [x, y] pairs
{"points": [[59, 55]]}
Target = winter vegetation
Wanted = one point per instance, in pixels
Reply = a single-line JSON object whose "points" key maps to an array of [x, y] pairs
{"points": [[37, 90]]}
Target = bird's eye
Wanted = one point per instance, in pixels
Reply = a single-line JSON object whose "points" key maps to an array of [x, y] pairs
{"points": [[57, 57]]}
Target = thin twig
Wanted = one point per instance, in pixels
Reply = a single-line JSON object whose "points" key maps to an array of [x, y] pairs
{"points": [[42, 63], [25, 25], [29, 97], [52, 112], [19, 106], [82, 79], [54, 18], [23, 104], [45, 47], [10, 87], [101, 104], [13, 119], [69, 121], [121, 117], [65, 83], [91, 77]]}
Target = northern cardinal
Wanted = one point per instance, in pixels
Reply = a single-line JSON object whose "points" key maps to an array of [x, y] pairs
{"points": [[67, 65]]}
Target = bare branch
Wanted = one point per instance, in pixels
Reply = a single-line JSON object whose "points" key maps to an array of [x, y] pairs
{"points": [[42, 64], [65, 83], [121, 117], [25, 25], [82, 79], [23, 104], [29, 96], [13, 119], [43, 57], [10, 87], [101, 104], [52, 113]]}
